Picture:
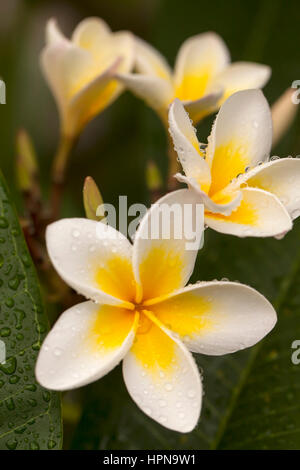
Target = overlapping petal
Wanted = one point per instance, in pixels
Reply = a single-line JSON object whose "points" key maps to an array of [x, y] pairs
{"points": [[216, 317], [196, 168], [199, 59], [94, 259], [80, 71], [282, 178], [92, 99], [154, 90], [162, 378], [53, 33], [198, 109], [150, 62], [166, 244], [241, 137], [241, 76], [86, 343], [90, 34], [223, 202], [260, 214], [187, 146]]}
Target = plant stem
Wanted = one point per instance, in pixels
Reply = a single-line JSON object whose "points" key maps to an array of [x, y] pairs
{"points": [[65, 146]]}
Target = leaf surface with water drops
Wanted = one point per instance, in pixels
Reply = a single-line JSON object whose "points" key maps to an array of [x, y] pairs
{"points": [[29, 415]]}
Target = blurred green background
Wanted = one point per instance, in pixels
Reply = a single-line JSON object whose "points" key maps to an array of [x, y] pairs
{"points": [[114, 149]]}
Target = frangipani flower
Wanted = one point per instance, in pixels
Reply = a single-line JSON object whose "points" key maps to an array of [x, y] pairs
{"points": [[141, 313], [203, 76], [244, 193], [80, 71]]}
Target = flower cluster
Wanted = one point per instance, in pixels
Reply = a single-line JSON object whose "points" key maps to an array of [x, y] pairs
{"points": [[140, 307]]}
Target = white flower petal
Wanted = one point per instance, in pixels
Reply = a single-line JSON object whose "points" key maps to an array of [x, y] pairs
{"points": [[187, 146], [93, 258], [90, 33], [241, 76], [199, 60], [81, 71], [162, 378], [166, 244], [96, 95], [260, 214], [87, 342], [217, 317], [53, 33], [155, 91], [282, 178], [241, 137], [150, 62], [64, 65]]}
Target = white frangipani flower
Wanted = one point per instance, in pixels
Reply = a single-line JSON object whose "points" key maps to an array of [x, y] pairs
{"points": [[141, 312], [244, 193], [203, 76], [80, 71]]}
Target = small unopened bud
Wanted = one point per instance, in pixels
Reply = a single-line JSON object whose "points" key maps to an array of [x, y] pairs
{"points": [[27, 169], [153, 177], [92, 199], [284, 111]]}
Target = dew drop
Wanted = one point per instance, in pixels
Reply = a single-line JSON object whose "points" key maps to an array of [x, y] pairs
{"points": [[191, 393], [168, 387], [162, 403], [57, 352], [76, 233]]}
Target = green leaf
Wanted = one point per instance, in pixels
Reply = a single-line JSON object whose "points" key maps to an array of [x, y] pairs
{"points": [[265, 411], [252, 397], [29, 415]]}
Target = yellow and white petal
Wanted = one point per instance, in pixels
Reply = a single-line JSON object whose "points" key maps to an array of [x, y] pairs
{"points": [[223, 202], [282, 178], [87, 342], [53, 33], [94, 259], [241, 76], [217, 317], [80, 72], [187, 146], [155, 91], [66, 68], [92, 99], [198, 109], [166, 244], [90, 33], [199, 60], [260, 214], [241, 137], [162, 378], [123, 46], [149, 61], [94, 35]]}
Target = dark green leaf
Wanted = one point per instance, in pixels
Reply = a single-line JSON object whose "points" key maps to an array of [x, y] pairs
{"points": [[29, 415]]}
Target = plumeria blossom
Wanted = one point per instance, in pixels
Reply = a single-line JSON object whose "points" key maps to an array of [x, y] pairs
{"points": [[203, 76], [80, 70], [141, 312], [244, 193]]}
